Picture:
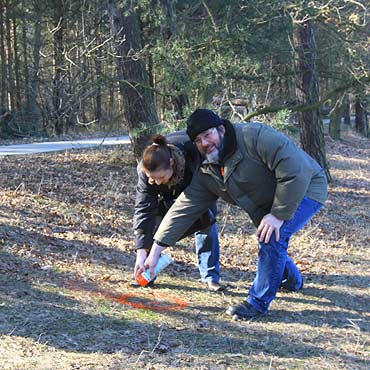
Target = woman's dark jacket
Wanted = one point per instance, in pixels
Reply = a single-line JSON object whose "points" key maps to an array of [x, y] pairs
{"points": [[153, 201]]}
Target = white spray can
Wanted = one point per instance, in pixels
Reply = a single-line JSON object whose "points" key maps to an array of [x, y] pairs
{"points": [[144, 278]]}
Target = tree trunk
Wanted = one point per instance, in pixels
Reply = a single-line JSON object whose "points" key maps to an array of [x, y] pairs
{"points": [[307, 90], [11, 85], [58, 90], [181, 101], [112, 102], [361, 120], [138, 104], [335, 118], [346, 110], [98, 104], [98, 96], [33, 108], [18, 99], [4, 72], [26, 76]]}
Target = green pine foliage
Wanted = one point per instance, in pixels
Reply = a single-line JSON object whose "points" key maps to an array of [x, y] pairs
{"points": [[194, 51]]}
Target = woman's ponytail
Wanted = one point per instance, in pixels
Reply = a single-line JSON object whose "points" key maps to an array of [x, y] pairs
{"points": [[157, 155]]}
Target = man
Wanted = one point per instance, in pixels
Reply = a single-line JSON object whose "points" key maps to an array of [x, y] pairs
{"points": [[261, 170], [166, 169]]}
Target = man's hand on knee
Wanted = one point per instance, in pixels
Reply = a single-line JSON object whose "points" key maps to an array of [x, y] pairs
{"points": [[268, 225]]}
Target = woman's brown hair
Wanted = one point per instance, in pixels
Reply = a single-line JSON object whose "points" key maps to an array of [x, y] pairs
{"points": [[157, 155]]}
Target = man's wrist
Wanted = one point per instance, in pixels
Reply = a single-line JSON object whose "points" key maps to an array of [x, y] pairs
{"points": [[157, 249]]}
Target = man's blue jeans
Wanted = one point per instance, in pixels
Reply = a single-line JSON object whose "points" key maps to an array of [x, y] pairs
{"points": [[207, 248], [274, 267]]}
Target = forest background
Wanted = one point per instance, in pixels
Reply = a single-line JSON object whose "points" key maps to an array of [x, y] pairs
{"points": [[81, 68], [143, 66]]}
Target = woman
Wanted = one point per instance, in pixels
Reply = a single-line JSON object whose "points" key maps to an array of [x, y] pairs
{"points": [[166, 169]]}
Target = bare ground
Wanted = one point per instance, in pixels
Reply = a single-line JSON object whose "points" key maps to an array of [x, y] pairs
{"points": [[66, 262]]}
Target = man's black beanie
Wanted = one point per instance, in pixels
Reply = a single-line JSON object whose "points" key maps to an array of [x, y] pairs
{"points": [[201, 120]]}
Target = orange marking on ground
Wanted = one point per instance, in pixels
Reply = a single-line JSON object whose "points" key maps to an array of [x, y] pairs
{"points": [[146, 300], [161, 302]]}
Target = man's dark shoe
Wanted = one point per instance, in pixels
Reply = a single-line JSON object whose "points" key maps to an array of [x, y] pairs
{"points": [[244, 311], [215, 287], [287, 289]]}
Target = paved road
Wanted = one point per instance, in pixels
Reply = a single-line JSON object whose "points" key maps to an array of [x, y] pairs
{"points": [[61, 145], [64, 145]]}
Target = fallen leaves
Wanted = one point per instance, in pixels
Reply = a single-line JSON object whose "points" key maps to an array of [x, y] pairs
{"points": [[67, 250]]}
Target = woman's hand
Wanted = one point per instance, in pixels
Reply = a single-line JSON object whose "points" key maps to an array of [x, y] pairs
{"points": [[153, 257], [141, 256]]}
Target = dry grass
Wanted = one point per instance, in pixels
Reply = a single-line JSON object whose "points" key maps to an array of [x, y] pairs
{"points": [[66, 260]]}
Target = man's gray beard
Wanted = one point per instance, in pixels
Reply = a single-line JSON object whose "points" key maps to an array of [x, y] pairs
{"points": [[213, 157]]}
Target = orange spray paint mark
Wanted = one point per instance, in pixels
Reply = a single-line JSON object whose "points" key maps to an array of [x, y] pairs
{"points": [[148, 300], [161, 302]]}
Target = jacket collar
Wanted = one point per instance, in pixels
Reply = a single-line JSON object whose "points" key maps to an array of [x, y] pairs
{"points": [[179, 165], [229, 142]]}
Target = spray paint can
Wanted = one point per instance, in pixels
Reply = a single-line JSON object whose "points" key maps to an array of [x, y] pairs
{"points": [[163, 261]]}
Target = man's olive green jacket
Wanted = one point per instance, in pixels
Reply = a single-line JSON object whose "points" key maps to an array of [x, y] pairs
{"points": [[266, 173]]}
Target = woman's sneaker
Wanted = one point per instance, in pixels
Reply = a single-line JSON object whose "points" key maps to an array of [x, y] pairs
{"points": [[213, 286], [244, 311]]}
